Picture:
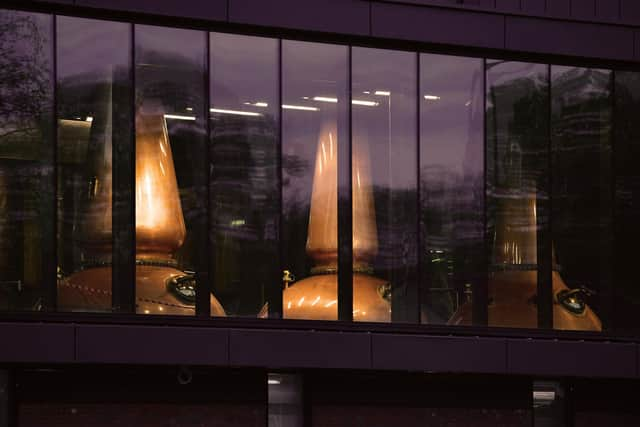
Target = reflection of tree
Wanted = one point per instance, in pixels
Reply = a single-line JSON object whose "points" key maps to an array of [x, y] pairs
{"points": [[24, 73]]}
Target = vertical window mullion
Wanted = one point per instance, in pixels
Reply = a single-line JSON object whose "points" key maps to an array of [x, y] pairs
{"points": [[274, 286], [481, 286], [345, 214], [544, 231], [124, 213], [205, 268], [49, 182]]}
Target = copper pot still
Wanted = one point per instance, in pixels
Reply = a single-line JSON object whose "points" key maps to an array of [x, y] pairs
{"points": [[513, 276], [316, 297], [161, 287]]}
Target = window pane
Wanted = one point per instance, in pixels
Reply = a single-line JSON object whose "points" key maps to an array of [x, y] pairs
{"points": [[27, 204], [582, 191], [171, 169], [451, 185], [517, 194], [244, 181], [93, 116], [384, 167], [314, 122], [627, 202], [286, 406]]}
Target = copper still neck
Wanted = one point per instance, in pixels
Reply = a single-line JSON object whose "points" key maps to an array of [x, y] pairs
{"points": [[316, 297], [322, 236], [160, 227]]}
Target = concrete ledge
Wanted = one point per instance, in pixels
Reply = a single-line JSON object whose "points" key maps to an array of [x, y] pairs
{"points": [[152, 345], [439, 354], [37, 343], [455, 27], [569, 38], [215, 10], [334, 16], [569, 358], [300, 349]]}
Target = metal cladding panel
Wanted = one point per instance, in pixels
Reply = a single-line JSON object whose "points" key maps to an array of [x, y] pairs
{"points": [[37, 343], [558, 8], [437, 25], [537, 7], [439, 354], [152, 345], [583, 9], [630, 11], [608, 10], [215, 10], [300, 349], [508, 5], [335, 16], [568, 38], [567, 358]]}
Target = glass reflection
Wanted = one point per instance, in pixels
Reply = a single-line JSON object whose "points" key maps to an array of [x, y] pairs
{"points": [[451, 183], [627, 201], [93, 114], [244, 181], [285, 400], [171, 170], [385, 223], [517, 194], [314, 123], [26, 160], [582, 193]]}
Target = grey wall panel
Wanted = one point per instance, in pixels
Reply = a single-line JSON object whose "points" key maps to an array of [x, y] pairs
{"points": [[571, 358], [300, 349], [583, 9], [36, 343], [437, 25], [215, 10], [508, 5], [338, 16], [569, 38], [558, 8], [152, 345], [536, 7], [438, 354]]}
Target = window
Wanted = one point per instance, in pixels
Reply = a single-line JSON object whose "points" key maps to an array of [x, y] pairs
{"points": [[170, 171]]}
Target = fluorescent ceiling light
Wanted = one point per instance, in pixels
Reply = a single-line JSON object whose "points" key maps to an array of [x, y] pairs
{"points": [[325, 99], [189, 108], [272, 381], [431, 97], [89, 119], [382, 93], [298, 107], [179, 117], [257, 104], [236, 112], [365, 103]]}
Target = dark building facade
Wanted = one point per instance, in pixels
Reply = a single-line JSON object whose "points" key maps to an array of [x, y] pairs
{"points": [[319, 213]]}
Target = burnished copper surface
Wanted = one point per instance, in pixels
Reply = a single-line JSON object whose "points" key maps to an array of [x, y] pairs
{"points": [[315, 297], [90, 290], [513, 281], [160, 228], [512, 303]]}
